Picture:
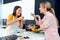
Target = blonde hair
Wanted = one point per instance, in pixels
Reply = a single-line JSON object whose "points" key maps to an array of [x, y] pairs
{"points": [[47, 5]]}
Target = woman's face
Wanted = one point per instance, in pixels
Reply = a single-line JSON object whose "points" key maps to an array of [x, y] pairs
{"points": [[41, 9], [18, 11]]}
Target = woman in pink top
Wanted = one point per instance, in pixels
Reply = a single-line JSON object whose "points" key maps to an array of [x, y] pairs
{"points": [[49, 22]]}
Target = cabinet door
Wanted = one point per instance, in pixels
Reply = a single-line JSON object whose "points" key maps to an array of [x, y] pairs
{"points": [[0, 12], [8, 1], [57, 9]]}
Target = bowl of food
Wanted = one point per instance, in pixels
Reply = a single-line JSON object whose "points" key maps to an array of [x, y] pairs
{"points": [[35, 29]]}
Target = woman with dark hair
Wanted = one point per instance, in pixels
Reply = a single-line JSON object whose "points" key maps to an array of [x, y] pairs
{"points": [[15, 20]]}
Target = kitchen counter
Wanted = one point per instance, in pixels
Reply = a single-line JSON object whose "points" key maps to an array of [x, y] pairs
{"points": [[31, 35]]}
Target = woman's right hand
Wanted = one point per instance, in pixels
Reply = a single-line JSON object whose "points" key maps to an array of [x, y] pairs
{"points": [[21, 18]]}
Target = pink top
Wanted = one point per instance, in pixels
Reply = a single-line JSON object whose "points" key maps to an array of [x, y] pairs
{"points": [[50, 27]]}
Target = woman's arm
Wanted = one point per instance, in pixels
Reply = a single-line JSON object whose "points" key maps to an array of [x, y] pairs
{"points": [[43, 25], [21, 22], [47, 23], [11, 21]]}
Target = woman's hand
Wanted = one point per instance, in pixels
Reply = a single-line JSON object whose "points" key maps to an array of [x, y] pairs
{"points": [[21, 22], [37, 16], [21, 18], [33, 15], [38, 22]]}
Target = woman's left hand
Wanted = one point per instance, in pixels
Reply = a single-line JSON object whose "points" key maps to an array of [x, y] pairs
{"points": [[22, 17], [37, 16], [38, 22]]}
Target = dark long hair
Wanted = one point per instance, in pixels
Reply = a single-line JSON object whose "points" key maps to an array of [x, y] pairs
{"points": [[14, 11]]}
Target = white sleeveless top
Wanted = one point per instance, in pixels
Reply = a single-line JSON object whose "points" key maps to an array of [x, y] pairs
{"points": [[13, 28]]}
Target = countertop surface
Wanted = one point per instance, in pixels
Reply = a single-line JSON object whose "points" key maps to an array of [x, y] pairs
{"points": [[22, 32]]}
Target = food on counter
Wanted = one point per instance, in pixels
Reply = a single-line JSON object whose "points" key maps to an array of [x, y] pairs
{"points": [[34, 28]]}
